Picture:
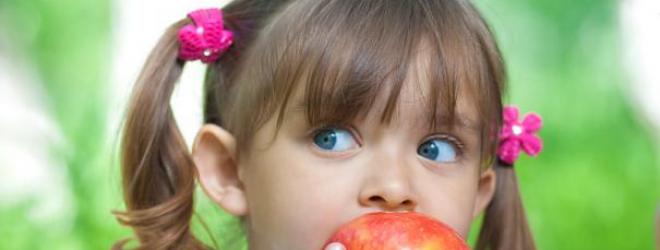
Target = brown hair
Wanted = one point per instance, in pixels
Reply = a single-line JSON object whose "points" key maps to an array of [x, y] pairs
{"points": [[343, 55]]}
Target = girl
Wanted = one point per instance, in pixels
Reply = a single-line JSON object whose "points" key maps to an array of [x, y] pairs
{"points": [[318, 111]]}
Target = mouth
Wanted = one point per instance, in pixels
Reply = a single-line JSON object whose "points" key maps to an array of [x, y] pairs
{"points": [[395, 231]]}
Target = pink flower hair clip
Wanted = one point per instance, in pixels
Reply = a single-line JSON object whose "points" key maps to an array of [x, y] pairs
{"points": [[205, 39], [516, 135]]}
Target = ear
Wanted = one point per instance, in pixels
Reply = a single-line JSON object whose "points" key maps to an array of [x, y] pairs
{"points": [[485, 191], [214, 154]]}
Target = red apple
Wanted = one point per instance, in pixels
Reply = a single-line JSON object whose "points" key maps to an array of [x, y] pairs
{"points": [[396, 231]]}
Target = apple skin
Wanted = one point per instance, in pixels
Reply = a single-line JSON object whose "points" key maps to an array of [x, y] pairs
{"points": [[397, 231]]}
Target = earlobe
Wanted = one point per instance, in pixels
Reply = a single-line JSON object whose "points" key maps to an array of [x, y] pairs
{"points": [[214, 154], [485, 191]]}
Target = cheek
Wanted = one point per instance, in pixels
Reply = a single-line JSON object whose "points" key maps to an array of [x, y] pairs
{"points": [[452, 200], [462, 213], [292, 202]]}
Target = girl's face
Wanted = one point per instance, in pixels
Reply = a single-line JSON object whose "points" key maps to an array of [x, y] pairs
{"points": [[297, 188]]}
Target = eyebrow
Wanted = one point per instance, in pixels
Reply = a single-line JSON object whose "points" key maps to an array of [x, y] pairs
{"points": [[460, 121]]}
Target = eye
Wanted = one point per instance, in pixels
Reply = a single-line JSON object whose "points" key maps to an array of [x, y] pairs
{"points": [[439, 150], [334, 139]]}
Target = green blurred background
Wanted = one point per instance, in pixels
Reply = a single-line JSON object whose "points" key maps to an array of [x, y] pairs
{"points": [[595, 186]]}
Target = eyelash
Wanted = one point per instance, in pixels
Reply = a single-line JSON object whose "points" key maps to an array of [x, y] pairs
{"points": [[460, 146], [347, 127]]}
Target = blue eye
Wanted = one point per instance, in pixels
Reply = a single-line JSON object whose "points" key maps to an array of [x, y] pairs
{"points": [[439, 150], [334, 139]]}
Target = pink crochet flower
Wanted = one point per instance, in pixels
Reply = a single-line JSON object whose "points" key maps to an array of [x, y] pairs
{"points": [[206, 38], [516, 135]]}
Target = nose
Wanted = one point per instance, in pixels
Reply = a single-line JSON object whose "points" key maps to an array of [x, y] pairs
{"points": [[388, 188]]}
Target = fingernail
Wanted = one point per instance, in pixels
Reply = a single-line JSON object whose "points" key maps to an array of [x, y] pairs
{"points": [[335, 246]]}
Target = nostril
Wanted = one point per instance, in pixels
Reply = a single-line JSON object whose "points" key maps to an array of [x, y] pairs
{"points": [[380, 200], [376, 199]]}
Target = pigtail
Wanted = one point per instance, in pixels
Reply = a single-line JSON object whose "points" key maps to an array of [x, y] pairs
{"points": [[505, 225], [157, 171]]}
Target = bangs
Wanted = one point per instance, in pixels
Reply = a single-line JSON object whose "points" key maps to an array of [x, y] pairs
{"points": [[349, 53]]}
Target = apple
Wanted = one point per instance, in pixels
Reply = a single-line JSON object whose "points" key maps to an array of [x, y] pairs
{"points": [[395, 231]]}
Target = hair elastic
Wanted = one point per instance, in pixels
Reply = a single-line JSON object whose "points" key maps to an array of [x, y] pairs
{"points": [[205, 39], [516, 135]]}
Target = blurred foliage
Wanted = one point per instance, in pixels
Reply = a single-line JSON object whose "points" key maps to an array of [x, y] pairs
{"points": [[594, 187], [68, 42]]}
